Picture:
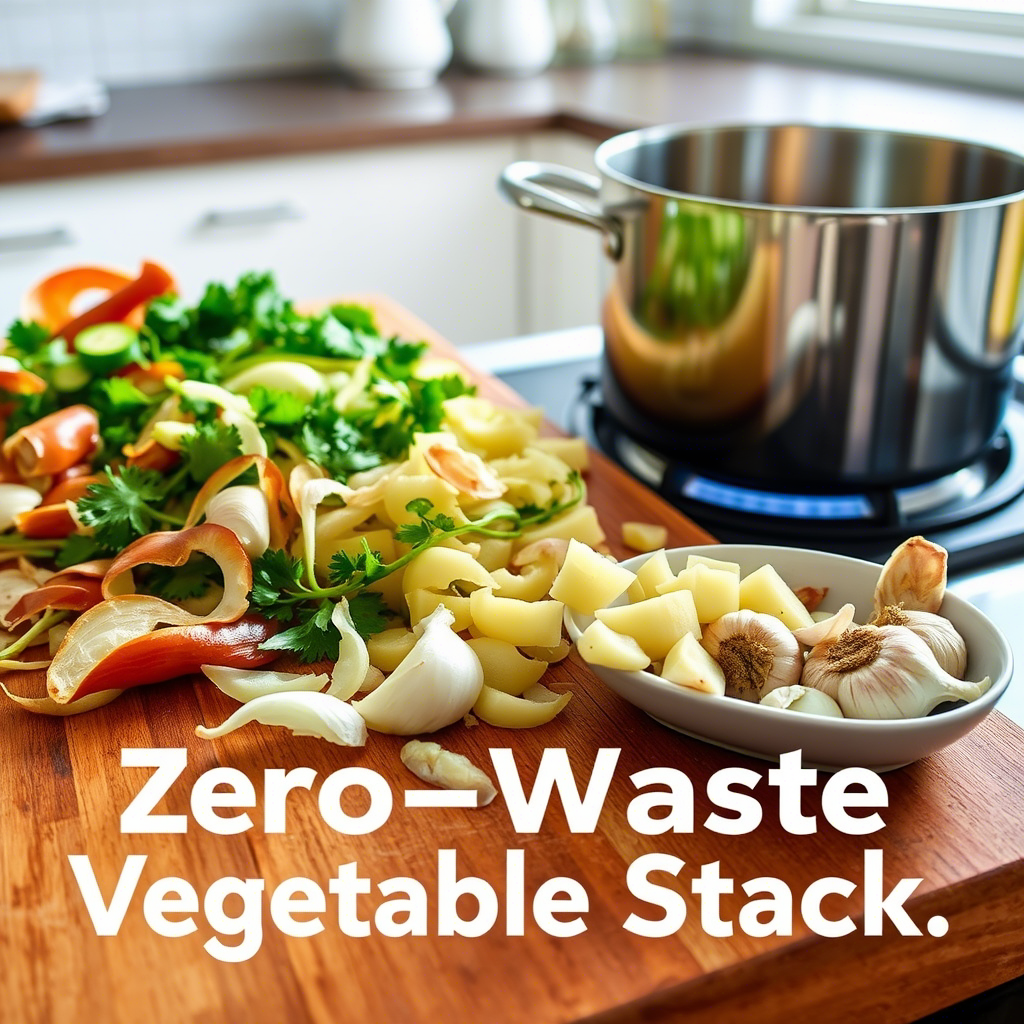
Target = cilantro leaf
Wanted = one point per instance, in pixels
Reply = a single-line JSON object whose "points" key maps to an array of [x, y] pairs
{"points": [[122, 409], [80, 547], [276, 408], [212, 445], [313, 638], [26, 338], [274, 574], [355, 318], [178, 583], [118, 509], [369, 613]]}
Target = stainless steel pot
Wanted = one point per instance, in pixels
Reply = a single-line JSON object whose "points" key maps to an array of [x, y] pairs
{"points": [[803, 304]]}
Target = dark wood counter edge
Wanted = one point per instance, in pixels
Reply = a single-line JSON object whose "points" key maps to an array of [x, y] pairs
{"points": [[26, 169], [739, 994]]}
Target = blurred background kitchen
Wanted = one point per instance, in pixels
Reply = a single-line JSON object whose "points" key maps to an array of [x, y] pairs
{"points": [[355, 146]]}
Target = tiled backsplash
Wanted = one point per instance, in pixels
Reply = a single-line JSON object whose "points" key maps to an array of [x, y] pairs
{"points": [[122, 41], [130, 41]]}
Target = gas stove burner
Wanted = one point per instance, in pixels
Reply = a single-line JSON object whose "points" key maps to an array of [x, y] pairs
{"points": [[864, 522]]}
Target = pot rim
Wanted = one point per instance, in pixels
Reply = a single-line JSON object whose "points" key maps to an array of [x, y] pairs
{"points": [[632, 140]]}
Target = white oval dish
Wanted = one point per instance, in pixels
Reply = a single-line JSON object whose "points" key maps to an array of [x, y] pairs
{"points": [[827, 743]]}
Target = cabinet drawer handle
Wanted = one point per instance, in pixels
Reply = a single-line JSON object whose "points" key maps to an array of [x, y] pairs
{"points": [[28, 241], [247, 216]]}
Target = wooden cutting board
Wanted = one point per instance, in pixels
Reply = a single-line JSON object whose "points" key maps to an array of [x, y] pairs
{"points": [[955, 820]]}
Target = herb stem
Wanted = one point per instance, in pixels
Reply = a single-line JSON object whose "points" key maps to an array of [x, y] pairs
{"points": [[50, 618]]}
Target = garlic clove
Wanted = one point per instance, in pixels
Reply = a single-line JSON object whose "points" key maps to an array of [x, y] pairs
{"points": [[948, 646], [435, 684], [353, 662], [756, 652], [432, 763], [827, 629], [245, 684], [804, 699], [914, 576], [243, 510], [306, 714]]}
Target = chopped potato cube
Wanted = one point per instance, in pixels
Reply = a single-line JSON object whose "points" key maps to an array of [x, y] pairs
{"points": [[601, 645], [587, 580], [508, 712], [644, 536], [580, 523], [712, 563], [389, 647], [571, 450], [531, 584], [504, 667], [438, 568], [657, 623], [523, 623], [652, 574], [764, 590], [689, 665], [715, 591], [423, 602]]}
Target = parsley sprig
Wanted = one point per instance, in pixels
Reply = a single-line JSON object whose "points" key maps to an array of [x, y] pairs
{"points": [[284, 588]]}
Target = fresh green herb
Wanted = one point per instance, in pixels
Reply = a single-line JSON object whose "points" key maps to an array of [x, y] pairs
{"points": [[280, 589], [80, 547], [25, 340], [276, 408], [212, 445], [313, 637], [127, 505], [122, 410], [179, 583]]}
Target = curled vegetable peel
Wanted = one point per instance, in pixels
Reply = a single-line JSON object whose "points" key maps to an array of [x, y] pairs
{"points": [[279, 505], [125, 616], [54, 443]]}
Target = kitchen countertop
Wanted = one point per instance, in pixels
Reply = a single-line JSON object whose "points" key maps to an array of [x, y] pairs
{"points": [[152, 126]]}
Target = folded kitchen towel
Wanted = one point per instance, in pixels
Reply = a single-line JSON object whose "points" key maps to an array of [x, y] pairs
{"points": [[67, 100]]}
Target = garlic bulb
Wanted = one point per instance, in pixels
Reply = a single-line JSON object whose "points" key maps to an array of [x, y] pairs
{"points": [[913, 577], [939, 634], [243, 510], [435, 684], [884, 672], [803, 698], [756, 652]]}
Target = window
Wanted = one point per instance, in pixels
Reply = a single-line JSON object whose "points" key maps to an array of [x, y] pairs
{"points": [[980, 42]]}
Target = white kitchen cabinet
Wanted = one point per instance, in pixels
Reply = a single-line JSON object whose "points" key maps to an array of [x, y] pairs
{"points": [[564, 266], [422, 223]]}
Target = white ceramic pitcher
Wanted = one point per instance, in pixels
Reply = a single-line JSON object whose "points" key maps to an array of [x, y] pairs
{"points": [[506, 37], [394, 44]]}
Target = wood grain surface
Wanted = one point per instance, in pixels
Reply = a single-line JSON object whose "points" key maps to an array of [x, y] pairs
{"points": [[955, 820]]}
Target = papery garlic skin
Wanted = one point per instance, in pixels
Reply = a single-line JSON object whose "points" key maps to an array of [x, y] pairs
{"points": [[914, 576], [882, 672], [948, 646], [243, 510], [756, 652], [435, 684], [804, 699]]}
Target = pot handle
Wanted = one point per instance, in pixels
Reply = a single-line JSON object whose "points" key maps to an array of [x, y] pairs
{"points": [[564, 193]]}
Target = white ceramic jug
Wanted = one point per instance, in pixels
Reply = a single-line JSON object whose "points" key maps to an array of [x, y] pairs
{"points": [[506, 37], [394, 44]]}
